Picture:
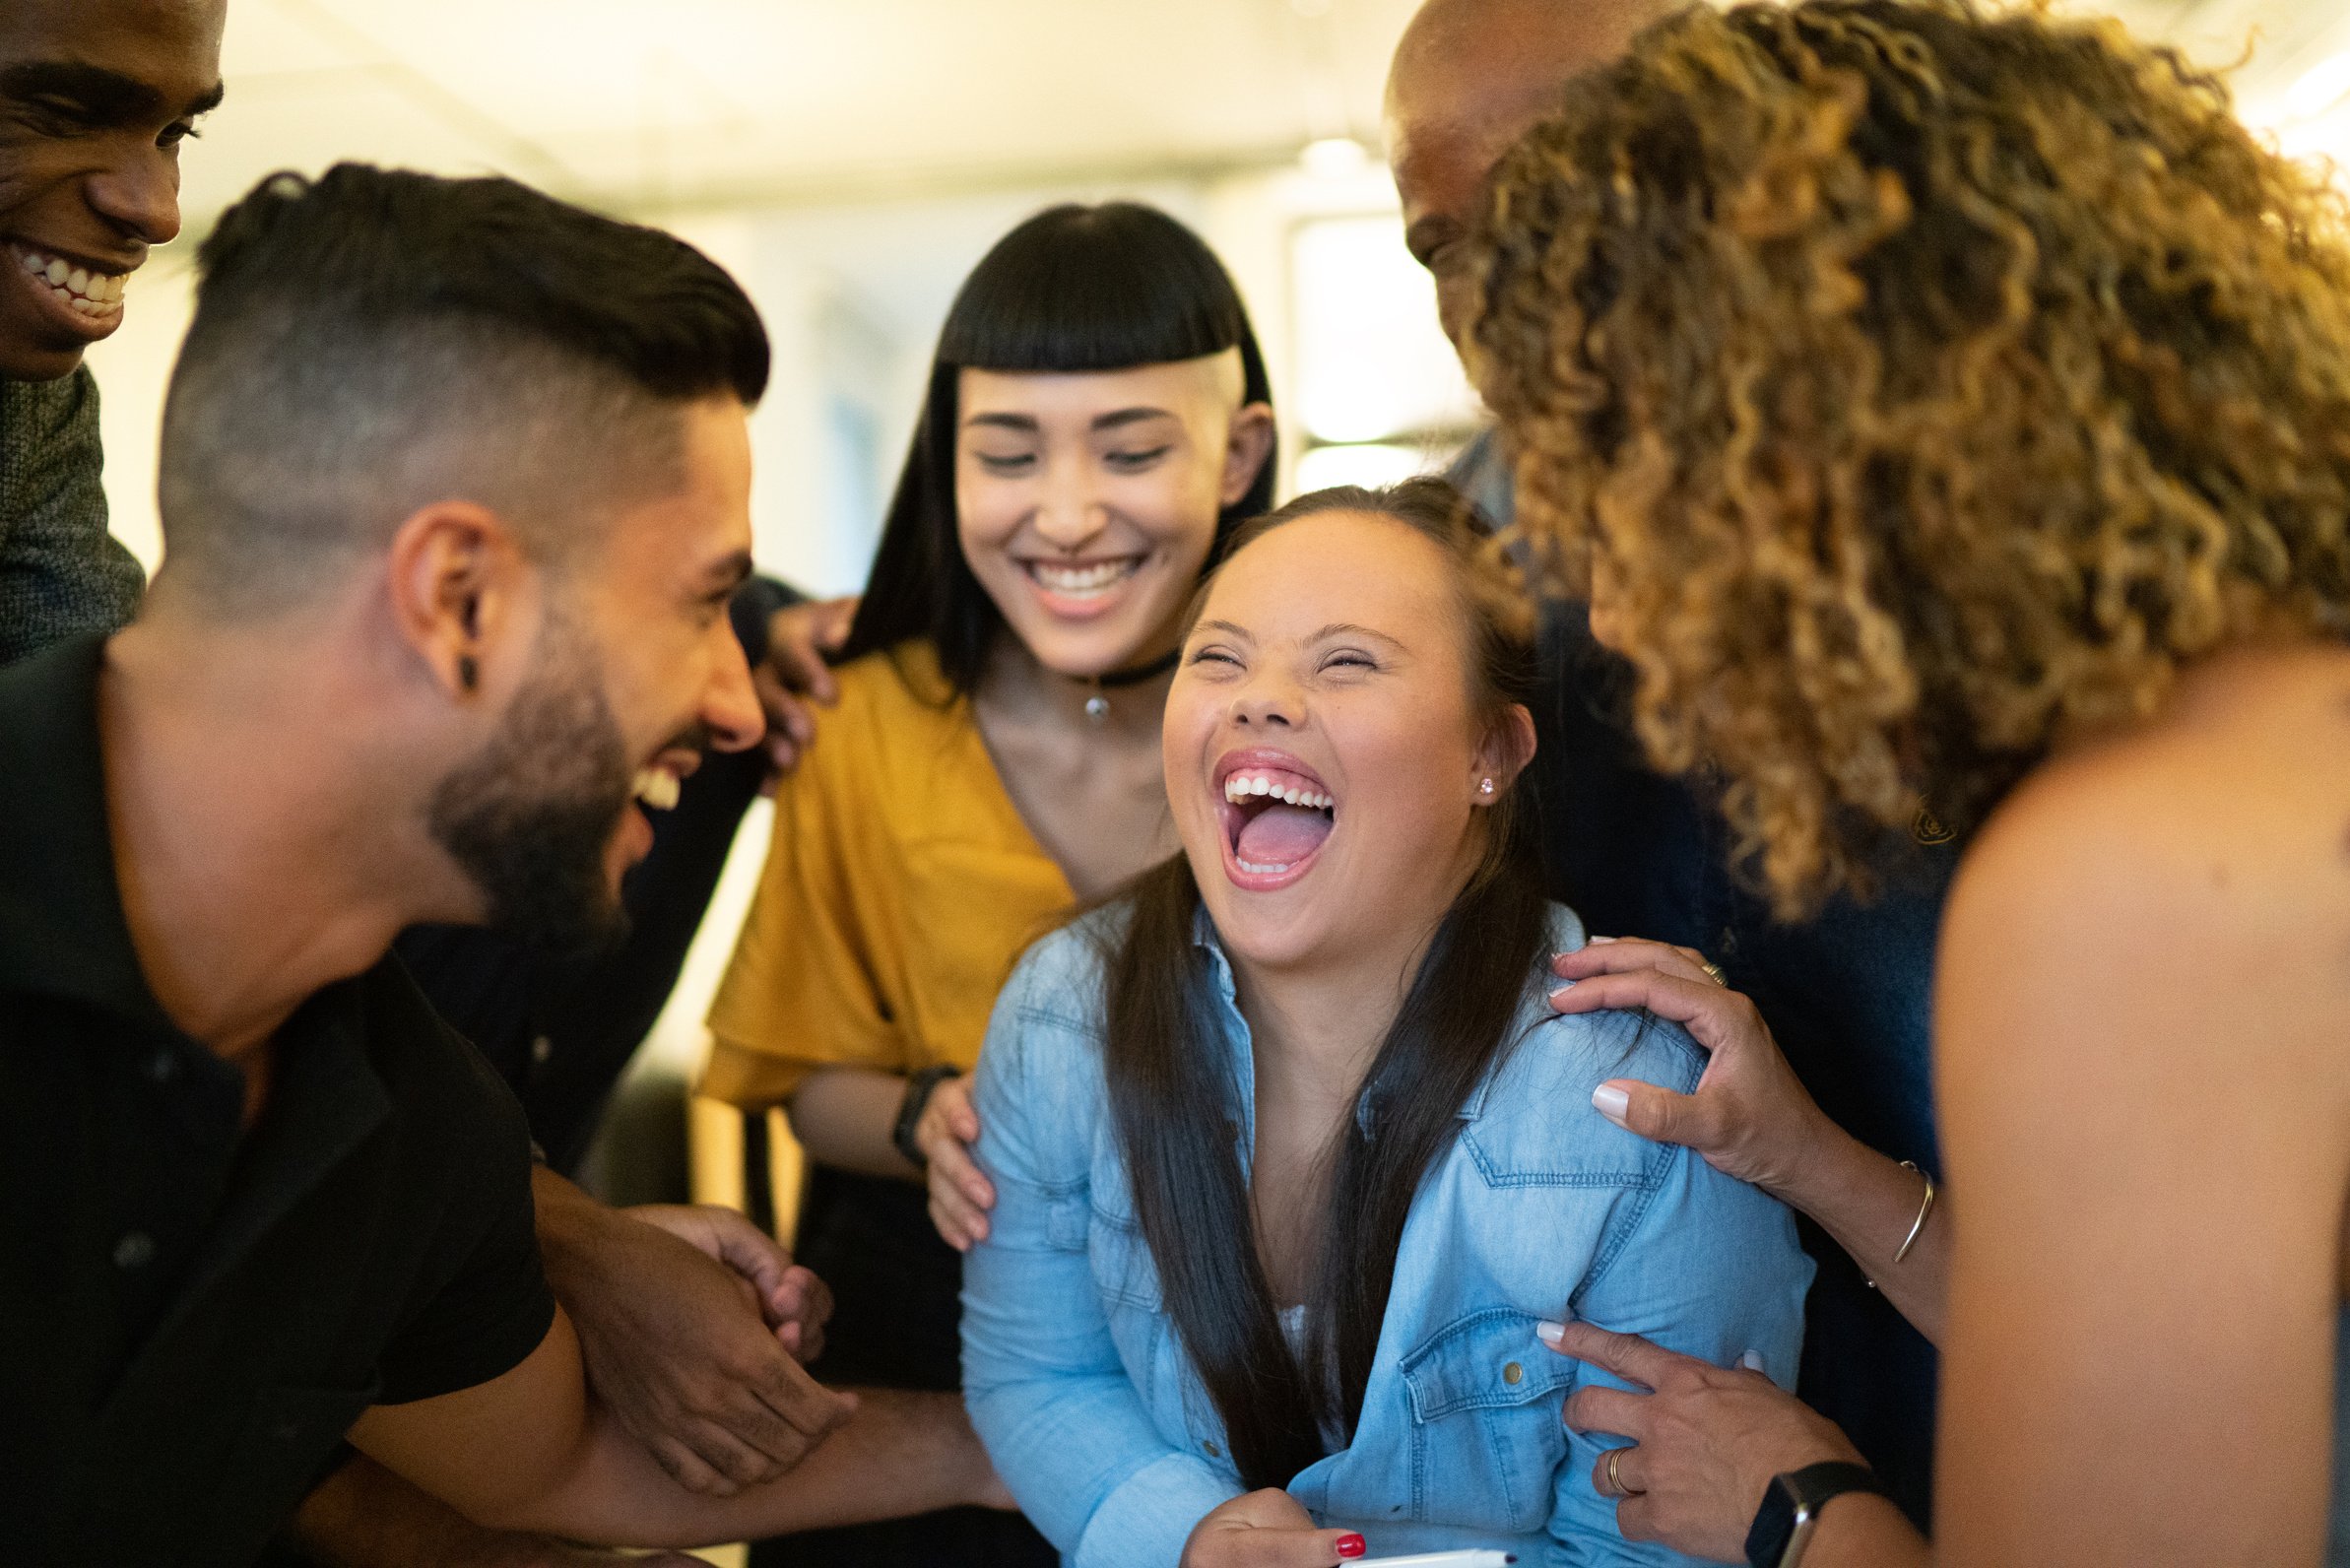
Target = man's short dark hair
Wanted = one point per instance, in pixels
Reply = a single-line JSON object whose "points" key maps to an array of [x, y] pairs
{"points": [[372, 341]]}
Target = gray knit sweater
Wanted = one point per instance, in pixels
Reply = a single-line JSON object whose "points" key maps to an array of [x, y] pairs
{"points": [[60, 571]]}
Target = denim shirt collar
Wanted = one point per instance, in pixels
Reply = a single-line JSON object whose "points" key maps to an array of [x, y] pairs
{"points": [[1566, 934]]}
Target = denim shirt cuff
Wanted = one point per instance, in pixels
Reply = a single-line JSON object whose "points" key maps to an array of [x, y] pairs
{"points": [[1146, 1521]]}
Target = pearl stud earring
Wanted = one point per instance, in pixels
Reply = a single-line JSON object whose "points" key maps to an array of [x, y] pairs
{"points": [[1485, 788]]}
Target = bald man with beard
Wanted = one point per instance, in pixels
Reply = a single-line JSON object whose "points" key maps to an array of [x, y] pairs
{"points": [[1847, 995]]}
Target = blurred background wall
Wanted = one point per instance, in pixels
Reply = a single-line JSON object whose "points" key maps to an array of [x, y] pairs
{"points": [[850, 160]]}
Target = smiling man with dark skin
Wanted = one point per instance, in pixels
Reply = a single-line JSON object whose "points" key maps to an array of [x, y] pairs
{"points": [[96, 99]]}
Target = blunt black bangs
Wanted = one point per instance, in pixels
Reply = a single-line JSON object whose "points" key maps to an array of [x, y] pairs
{"points": [[1103, 288], [1072, 288]]}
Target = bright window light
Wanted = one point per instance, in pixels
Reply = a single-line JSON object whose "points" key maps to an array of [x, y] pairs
{"points": [[2319, 88], [1334, 158], [1372, 364], [1371, 464]]}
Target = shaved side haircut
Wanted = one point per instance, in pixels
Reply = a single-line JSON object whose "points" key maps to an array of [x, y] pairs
{"points": [[375, 341]]}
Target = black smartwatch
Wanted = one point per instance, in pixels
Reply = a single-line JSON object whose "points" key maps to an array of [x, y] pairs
{"points": [[919, 1089], [1790, 1507]]}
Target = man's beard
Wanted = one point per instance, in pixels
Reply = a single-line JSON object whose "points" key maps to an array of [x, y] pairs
{"points": [[531, 817]]}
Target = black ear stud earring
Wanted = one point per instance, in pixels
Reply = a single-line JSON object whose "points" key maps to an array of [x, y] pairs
{"points": [[469, 675]]}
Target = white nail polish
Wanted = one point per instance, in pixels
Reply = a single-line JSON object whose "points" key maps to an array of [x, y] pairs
{"points": [[1753, 1361], [1612, 1102], [1550, 1333]]}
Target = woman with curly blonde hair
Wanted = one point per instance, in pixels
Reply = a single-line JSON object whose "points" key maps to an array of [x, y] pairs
{"points": [[1949, 410]]}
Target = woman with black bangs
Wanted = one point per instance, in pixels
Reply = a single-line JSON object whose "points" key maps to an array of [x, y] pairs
{"points": [[1097, 419]]}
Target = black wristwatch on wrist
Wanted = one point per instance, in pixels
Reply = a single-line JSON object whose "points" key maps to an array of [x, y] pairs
{"points": [[1790, 1507], [919, 1089]]}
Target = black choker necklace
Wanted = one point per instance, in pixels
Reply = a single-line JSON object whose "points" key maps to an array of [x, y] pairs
{"points": [[1097, 705]]}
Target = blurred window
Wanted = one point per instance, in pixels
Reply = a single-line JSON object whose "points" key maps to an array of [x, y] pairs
{"points": [[1380, 392]]}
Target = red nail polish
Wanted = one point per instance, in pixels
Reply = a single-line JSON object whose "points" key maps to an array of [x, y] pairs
{"points": [[1352, 1546]]}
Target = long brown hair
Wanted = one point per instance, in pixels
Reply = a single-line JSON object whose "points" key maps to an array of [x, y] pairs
{"points": [[1923, 380], [1171, 1100]]}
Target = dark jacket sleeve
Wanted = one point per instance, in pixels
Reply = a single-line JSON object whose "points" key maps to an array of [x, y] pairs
{"points": [[61, 573]]}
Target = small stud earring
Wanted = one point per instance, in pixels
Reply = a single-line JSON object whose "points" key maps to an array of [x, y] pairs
{"points": [[1485, 788], [469, 675]]}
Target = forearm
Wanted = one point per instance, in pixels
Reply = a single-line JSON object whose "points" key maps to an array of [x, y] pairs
{"points": [[843, 1117], [1870, 1204], [567, 1217], [902, 1453], [362, 1516]]}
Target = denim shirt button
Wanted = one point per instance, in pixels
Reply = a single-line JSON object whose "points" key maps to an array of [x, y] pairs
{"points": [[1513, 1374], [1211, 1450]]}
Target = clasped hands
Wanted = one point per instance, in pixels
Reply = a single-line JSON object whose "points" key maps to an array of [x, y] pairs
{"points": [[694, 1323]]}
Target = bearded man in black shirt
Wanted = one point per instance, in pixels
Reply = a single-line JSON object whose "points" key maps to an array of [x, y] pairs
{"points": [[454, 489]]}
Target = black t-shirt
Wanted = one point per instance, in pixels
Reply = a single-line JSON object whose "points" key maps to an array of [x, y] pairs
{"points": [[193, 1313]]}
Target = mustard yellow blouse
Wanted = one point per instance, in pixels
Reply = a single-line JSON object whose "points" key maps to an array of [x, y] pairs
{"points": [[900, 886]]}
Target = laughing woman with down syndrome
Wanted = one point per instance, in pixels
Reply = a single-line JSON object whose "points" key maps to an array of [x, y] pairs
{"points": [[1292, 1162]]}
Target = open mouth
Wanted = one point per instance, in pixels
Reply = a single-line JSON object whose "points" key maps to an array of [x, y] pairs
{"points": [[1277, 816], [657, 787], [659, 782], [91, 295], [1082, 583]]}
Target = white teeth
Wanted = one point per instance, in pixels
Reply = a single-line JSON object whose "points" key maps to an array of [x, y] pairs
{"points": [[1248, 786], [1081, 581], [657, 787], [88, 292]]}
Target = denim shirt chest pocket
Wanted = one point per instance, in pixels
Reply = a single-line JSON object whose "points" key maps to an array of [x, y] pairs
{"points": [[1484, 1403], [1123, 1267]]}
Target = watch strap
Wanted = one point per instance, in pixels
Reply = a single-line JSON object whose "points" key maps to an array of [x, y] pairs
{"points": [[919, 1089], [1793, 1501]]}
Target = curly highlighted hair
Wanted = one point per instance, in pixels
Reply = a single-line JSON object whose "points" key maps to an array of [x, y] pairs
{"points": [[1912, 384]]}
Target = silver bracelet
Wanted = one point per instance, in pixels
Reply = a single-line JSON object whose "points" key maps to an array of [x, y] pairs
{"points": [[1923, 1208]]}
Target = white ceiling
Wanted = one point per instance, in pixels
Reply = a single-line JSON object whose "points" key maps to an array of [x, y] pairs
{"points": [[645, 105], [649, 104]]}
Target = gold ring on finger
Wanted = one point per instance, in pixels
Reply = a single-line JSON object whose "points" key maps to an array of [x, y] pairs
{"points": [[1615, 1482], [1714, 970]]}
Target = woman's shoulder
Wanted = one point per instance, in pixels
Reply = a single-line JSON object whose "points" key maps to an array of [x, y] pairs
{"points": [[1538, 1095], [2229, 803], [1043, 1052], [2207, 848], [1061, 975], [895, 727], [1048, 1018], [902, 680]]}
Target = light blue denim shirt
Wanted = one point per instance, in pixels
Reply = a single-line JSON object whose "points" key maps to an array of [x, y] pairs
{"points": [[1091, 1410]]}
